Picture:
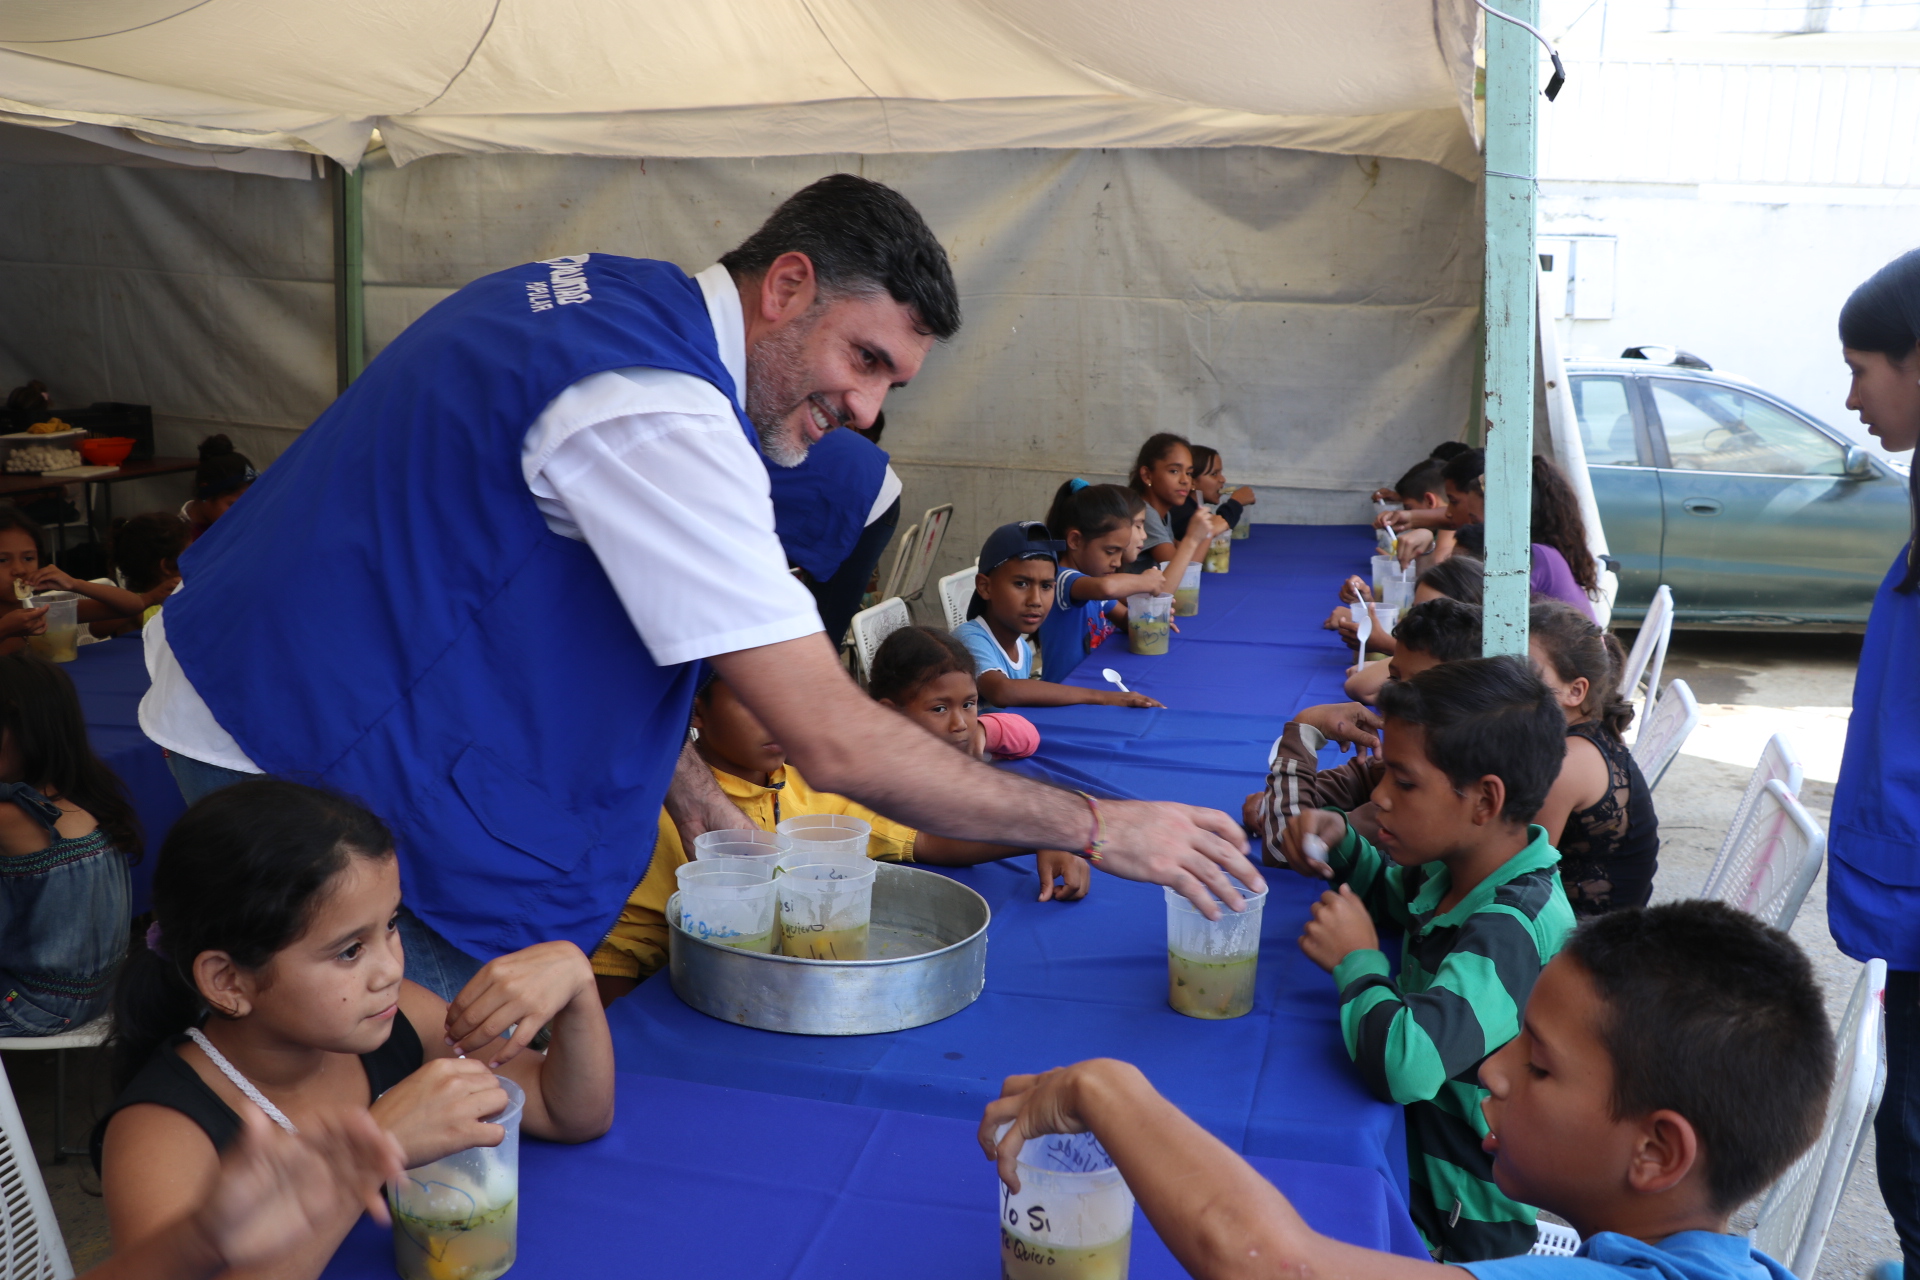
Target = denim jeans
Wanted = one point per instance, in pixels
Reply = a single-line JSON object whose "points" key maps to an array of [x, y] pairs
{"points": [[1896, 1129], [197, 778]]}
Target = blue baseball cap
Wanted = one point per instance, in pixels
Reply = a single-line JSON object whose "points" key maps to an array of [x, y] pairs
{"points": [[1021, 540]]}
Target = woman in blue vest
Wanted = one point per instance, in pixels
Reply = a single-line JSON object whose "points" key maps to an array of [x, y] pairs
{"points": [[1873, 874], [835, 514], [476, 592]]}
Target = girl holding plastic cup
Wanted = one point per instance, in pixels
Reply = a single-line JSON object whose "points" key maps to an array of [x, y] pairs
{"points": [[272, 982]]}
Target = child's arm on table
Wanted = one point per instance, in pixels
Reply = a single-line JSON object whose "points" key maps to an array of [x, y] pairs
{"points": [[1052, 864], [570, 1087], [1004, 691], [1368, 679], [1217, 1215]]}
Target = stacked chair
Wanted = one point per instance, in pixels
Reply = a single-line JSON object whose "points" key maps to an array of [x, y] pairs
{"points": [[31, 1247]]}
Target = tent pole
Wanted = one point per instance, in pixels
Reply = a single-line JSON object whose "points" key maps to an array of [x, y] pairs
{"points": [[349, 280], [1512, 72]]}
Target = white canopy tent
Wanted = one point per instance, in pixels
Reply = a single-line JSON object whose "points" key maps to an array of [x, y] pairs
{"points": [[1258, 224]]}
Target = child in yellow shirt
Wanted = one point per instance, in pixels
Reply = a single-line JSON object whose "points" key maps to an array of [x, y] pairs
{"points": [[753, 771]]}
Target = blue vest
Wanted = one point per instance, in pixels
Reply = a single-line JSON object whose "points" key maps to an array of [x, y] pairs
{"points": [[820, 507], [1876, 803], [386, 611]]}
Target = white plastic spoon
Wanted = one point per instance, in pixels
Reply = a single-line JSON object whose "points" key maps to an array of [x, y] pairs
{"points": [[1113, 677]]}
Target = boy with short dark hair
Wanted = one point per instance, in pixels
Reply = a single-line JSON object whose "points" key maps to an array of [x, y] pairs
{"points": [[1438, 631], [1470, 750], [1674, 1061]]}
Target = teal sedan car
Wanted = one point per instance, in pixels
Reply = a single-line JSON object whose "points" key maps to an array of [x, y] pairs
{"points": [[1755, 513]]}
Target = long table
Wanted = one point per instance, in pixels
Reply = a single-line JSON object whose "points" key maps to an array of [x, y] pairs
{"points": [[699, 1180]]}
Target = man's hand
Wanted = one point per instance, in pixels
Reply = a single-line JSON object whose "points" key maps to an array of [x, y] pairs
{"points": [[1198, 853], [1339, 927], [1070, 869], [1324, 825], [1350, 724], [697, 805]]}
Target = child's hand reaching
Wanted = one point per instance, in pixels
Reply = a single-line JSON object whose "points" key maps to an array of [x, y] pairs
{"points": [[23, 622], [1340, 926], [1355, 591], [1115, 698], [1413, 544], [1323, 825], [1348, 723], [1070, 869], [53, 578]]}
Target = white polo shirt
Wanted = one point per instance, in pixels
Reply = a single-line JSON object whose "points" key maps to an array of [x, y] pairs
{"points": [[651, 470]]}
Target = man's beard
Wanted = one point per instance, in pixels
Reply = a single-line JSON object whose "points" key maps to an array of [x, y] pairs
{"points": [[776, 374]]}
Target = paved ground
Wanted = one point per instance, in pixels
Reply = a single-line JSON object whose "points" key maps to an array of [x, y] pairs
{"points": [[1749, 686]]}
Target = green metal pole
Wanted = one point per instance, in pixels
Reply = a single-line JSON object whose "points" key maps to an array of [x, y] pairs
{"points": [[1512, 97], [349, 278]]}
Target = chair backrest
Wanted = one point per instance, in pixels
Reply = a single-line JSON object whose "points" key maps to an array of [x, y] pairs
{"points": [[1779, 762], [1665, 731], [871, 626], [1649, 652], [31, 1247], [1775, 861], [1794, 1219], [902, 552], [956, 593], [1555, 1241]]}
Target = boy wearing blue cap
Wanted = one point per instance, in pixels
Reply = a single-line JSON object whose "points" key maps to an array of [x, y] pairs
{"points": [[1011, 597]]}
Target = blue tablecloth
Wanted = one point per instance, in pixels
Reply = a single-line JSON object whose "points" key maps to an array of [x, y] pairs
{"points": [[697, 1180], [111, 678]]}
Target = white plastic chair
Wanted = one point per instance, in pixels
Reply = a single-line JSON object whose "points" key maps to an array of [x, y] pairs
{"points": [[871, 626], [1650, 646], [1796, 1215], [1773, 863], [1556, 1240], [84, 1037], [31, 1247], [1778, 762], [917, 550], [1667, 727], [956, 592]]}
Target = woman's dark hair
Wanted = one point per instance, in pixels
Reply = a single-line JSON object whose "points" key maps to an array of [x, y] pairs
{"points": [[1203, 457], [221, 470], [1883, 316], [1458, 577], [1157, 447], [1486, 716], [1445, 629], [910, 657], [143, 544], [863, 238], [1555, 519], [40, 709], [1557, 522], [1577, 648], [1092, 508], [1448, 450], [12, 517], [1710, 1013], [242, 872]]}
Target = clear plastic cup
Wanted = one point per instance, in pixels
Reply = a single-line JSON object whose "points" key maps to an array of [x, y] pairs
{"points": [[1149, 622], [1243, 530], [459, 1216], [1071, 1219], [729, 902], [1219, 553], [61, 643], [1186, 596], [741, 843], [1385, 569], [826, 905], [1211, 963], [826, 833]]}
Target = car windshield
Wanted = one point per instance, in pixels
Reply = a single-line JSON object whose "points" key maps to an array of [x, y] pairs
{"points": [[1710, 427]]}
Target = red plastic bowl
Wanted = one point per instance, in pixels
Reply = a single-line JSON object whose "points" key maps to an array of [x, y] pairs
{"points": [[108, 451]]}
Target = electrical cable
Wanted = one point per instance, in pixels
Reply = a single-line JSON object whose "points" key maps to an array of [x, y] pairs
{"points": [[1559, 70]]}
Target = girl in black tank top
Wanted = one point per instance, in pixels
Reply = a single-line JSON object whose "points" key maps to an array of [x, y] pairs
{"points": [[273, 981], [1600, 813]]}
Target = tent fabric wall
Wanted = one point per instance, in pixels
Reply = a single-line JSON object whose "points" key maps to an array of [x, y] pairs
{"points": [[1313, 316]]}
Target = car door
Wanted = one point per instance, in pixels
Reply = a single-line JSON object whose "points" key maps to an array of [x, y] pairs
{"points": [[1626, 486], [1762, 520]]}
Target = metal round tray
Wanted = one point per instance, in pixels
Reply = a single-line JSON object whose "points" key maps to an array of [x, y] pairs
{"points": [[928, 941]]}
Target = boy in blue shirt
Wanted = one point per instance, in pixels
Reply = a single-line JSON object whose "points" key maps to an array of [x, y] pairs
{"points": [[1011, 597], [1673, 1062]]}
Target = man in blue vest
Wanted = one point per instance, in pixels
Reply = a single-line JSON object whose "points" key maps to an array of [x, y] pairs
{"points": [[476, 591]]}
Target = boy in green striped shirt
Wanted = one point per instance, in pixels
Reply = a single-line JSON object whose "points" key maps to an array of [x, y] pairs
{"points": [[1471, 749]]}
